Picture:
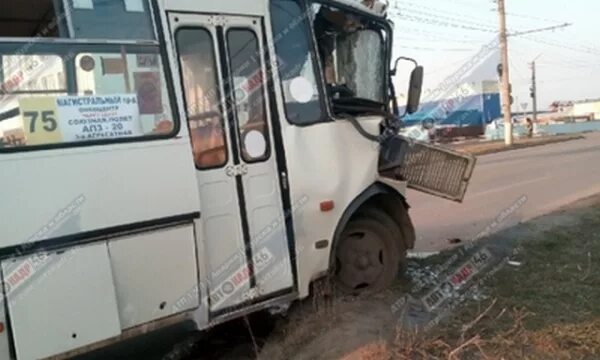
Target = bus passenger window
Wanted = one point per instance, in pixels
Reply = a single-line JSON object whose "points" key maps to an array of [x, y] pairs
{"points": [[249, 97], [137, 74], [120, 93], [200, 85], [112, 19], [34, 77]]}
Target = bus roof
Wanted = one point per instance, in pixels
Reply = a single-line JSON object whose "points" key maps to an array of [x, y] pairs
{"points": [[260, 7]]}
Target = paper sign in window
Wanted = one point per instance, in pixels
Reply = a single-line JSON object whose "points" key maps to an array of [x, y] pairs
{"points": [[113, 66], [51, 120], [86, 118], [40, 120]]}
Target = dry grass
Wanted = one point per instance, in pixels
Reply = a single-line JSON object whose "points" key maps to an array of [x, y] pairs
{"points": [[548, 308]]}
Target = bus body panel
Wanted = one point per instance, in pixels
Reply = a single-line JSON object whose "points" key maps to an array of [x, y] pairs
{"points": [[328, 161], [55, 312], [323, 167], [4, 335], [58, 193], [109, 286], [155, 274]]}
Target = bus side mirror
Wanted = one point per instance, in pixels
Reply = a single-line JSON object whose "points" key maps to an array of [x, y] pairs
{"points": [[414, 90], [416, 84]]}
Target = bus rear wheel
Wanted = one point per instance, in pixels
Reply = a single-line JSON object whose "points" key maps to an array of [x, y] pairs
{"points": [[368, 255]]}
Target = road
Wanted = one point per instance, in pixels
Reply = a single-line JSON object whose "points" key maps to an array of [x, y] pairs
{"points": [[508, 188]]}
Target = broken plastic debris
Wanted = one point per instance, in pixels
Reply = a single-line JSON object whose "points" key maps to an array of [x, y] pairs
{"points": [[514, 263]]}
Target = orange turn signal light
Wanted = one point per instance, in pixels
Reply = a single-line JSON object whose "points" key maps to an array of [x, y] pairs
{"points": [[327, 205]]}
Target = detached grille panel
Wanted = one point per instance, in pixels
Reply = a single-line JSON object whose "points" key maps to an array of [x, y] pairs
{"points": [[437, 170]]}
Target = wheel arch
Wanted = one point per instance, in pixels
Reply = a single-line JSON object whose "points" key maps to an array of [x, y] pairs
{"points": [[385, 198]]}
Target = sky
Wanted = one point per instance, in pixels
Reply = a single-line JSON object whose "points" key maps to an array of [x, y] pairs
{"points": [[444, 34]]}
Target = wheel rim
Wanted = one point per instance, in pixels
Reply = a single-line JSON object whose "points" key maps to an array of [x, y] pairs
{"points": [[361, 260]]}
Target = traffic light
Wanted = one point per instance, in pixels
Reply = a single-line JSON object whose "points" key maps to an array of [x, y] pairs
{"points": [[500, 70]]}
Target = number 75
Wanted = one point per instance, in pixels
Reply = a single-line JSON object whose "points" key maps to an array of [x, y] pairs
{"points": [[48, 119]]}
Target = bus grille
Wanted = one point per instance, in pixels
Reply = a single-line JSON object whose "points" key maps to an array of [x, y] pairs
{"points": [[437, 170]]}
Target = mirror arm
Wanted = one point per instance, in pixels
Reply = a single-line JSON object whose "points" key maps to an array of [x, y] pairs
{"points": [[395, 107], [395, 69]]}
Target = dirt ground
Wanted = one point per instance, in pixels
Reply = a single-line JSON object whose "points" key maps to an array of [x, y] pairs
{"points": [[528, 292]]}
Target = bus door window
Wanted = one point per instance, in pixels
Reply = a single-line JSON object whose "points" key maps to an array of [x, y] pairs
{"points": [[249, 98], [201, 89]]}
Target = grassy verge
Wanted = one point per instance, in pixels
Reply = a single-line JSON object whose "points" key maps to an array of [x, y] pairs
{"points": [[544, 306]]}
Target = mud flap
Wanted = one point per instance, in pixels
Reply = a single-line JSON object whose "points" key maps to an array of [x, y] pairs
{"points": [[431, 169]]}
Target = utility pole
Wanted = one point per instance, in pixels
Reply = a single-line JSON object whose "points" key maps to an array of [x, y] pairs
{"points": [[534, 92], [534, 88], [508, 135]]}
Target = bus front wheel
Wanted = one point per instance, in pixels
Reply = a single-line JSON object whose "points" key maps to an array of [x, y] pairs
{"points": [[369, 253]]}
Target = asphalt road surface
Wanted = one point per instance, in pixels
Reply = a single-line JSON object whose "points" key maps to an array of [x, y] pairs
{"points": [[508, 188]]}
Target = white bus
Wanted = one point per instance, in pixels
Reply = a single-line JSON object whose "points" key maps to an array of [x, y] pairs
{"points": [[170, 162]]}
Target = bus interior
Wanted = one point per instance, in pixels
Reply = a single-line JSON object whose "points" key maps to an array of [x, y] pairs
{"points": [[31, 18]]}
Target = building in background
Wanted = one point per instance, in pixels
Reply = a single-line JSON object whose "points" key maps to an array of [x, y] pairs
{"points": [[581, 110], [465, 113]]}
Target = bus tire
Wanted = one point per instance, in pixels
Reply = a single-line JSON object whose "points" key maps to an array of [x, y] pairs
{"points": [[369, 253]]}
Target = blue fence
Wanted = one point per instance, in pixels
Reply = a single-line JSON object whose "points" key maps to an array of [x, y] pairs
{"points": [[497, 133]]}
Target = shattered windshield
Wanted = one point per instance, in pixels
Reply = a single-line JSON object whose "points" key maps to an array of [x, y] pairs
{"points": [[360, 63], [352, 51]]}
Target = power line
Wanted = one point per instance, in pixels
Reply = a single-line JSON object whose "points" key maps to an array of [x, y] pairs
{"points": [[433, 49], [437, 34], [454, 2], [531, 17], [433, 40], [444, 23], [447, 18], [555, 27], [411, 34], [584, 49], [439, 12]]}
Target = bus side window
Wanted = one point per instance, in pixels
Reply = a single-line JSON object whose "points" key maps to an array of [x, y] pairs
{"points": [[32, 18], [112, 19], [201, 89], [304, 101], [26, 76]]}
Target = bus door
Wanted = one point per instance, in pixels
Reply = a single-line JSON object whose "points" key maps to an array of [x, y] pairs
{"points": [[222, 66]]}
